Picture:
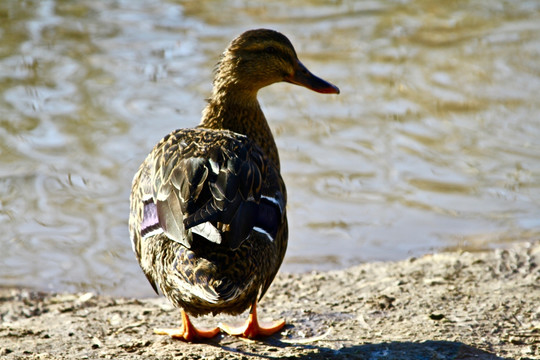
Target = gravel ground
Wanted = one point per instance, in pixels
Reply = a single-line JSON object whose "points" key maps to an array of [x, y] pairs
{"points": [[455, 305]]}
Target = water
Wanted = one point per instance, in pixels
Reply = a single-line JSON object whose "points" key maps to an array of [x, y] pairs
{"points": [[432, 144]]}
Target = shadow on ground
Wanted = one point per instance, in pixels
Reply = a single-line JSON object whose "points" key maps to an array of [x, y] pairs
{"points": [[440, 350]]}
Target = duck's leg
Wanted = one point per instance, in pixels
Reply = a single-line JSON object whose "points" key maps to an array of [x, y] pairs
{"points": [[252, 328], [188, 331]]}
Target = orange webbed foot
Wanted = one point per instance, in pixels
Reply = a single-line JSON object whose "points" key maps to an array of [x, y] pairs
{"points": [[252, 329], [188, 331]]}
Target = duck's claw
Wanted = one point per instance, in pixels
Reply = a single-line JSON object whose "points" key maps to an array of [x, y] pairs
{"points": [[252, 329], [188, 331]]}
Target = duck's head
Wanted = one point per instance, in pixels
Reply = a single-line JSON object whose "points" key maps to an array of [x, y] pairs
{"points": [[258, 58]]}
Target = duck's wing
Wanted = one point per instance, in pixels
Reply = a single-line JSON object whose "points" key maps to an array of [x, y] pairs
{"points": [[202, 182]]}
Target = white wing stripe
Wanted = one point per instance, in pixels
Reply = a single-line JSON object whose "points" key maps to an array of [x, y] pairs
{"points": [[264, 232], [153, 232], [274, 201]]}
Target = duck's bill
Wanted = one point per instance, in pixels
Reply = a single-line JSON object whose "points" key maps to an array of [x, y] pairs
{"points": [[303, 77]]}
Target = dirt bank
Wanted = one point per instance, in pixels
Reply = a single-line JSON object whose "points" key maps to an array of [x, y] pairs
{"points": [[443, 306]]}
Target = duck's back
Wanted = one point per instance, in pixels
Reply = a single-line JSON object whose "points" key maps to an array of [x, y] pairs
{"points": [[208, 221]]}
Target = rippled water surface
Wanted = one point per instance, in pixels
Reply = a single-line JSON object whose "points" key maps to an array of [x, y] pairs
{"points": [[433, 143]]}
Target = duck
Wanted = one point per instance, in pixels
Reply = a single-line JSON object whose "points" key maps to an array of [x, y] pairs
{"points": [[208, 220]]}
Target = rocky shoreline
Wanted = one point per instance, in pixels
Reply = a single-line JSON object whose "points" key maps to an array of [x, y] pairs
{"points": [[450, 305]]}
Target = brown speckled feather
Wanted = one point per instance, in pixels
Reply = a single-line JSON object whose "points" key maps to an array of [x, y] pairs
{"points": [[198, 176]]}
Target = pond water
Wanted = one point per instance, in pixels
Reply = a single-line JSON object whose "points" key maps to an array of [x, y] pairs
{"points": [[433, 143]]}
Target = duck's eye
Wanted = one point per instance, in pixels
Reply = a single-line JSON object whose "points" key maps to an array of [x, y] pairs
{"points": [[270, 50]]}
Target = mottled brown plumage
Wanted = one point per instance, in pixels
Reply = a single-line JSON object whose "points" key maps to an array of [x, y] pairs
{"points": [[208, 221]]}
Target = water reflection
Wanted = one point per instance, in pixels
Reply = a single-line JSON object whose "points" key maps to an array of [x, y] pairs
{"points": [[432, 144]]}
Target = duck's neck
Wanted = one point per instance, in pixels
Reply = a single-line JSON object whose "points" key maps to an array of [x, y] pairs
{"points": [[239, 111]]}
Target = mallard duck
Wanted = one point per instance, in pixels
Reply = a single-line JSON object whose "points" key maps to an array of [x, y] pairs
{"points": [[208, 219]]}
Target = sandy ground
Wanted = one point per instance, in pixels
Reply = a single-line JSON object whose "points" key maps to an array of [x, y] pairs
{"points": [[444, 306]]}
